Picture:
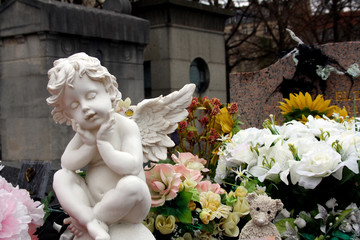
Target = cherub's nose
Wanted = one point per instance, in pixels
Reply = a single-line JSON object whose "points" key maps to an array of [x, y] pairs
{"points": [[85, 108]]}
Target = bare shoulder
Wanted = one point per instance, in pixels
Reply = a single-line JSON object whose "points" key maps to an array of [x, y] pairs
{"points": [[125, 124]]}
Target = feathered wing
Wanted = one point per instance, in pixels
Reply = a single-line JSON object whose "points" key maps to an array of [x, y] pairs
{"points": [[158, 117]]}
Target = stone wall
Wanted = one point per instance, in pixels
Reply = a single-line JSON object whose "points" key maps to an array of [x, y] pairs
{"points": [[180, 32], [254, 91], [34, 33]]}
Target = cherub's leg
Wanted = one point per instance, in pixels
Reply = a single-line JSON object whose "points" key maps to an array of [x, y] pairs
{"points": [[74, 197], [129, 202]]}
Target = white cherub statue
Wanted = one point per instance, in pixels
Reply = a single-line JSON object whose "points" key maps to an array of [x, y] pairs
{"points": [[113, 197]]}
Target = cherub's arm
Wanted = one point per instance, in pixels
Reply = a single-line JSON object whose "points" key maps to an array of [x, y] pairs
{"points": [[126, 162], [77, 154]]}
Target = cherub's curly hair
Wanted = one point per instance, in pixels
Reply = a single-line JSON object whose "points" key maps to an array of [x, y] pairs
{"points": [[64, 72]]}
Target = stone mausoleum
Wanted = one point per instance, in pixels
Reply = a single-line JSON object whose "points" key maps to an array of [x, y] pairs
{"points": [[186, 45], [34, 33]]}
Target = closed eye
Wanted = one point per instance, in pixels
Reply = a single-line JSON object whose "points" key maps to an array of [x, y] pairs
{"points": [[91, 95], [74, 105]]}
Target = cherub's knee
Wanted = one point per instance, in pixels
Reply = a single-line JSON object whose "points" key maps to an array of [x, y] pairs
{"points": [[59, 177], [64, 177], [131, 185], [62, 173]]}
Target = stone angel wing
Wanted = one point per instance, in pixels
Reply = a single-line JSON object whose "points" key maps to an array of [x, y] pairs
{"points": [[158, 117]]}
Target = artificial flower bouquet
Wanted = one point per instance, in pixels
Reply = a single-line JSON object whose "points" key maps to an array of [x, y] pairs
{"points": [[20, 216], [186, 202], [311, 164], [187, 206], [207, 123]]}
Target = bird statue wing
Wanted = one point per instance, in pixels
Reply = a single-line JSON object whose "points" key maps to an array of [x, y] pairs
{"points": [[158, 117]]}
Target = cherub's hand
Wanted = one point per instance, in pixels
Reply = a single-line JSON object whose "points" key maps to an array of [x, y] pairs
{"points": [[106, 128], [86, 136]]}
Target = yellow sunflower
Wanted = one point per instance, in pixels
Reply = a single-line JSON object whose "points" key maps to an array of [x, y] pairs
{"points": [[341, 114], [300, 106]]}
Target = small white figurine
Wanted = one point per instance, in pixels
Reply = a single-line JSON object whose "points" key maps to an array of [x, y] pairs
{"points": [[114, 195]]}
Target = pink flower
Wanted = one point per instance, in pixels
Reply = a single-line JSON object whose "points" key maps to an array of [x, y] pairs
{"points": [[187, 173], [32, 230], [19, 214], [14, 218], [206, 186], [5, 185], [190, 161], [163, 182]]}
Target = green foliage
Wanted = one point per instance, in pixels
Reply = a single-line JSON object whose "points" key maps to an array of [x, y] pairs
{"points": [[281, 225], [195, 194], [210, 227], [46, 203], [182, 201], [297, 114], [337, 235], [82, 174], [251, 184], [177, 207]]}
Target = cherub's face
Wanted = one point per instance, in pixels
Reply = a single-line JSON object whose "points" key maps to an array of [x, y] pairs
{"points": [[87, 102]]}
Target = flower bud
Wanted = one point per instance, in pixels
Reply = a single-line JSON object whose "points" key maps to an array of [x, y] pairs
{"points": [[165, 225], [241, 191], [205, 216]]}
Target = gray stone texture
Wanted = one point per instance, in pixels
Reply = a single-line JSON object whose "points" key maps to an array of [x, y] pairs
{"points": [[34, 33], [254, 91], [119, 6], [181, 31]]}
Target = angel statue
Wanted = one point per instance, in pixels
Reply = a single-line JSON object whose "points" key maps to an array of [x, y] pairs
{"points": [[113, 199]]}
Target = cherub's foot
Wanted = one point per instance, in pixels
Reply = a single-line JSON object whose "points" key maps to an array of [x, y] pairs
{"points": [[98, 230], [75, 227]]}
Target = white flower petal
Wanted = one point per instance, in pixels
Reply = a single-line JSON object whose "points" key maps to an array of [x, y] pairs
{"points": [[309, 182]]}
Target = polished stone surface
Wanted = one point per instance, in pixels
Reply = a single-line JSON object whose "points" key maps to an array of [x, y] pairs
{"points": [[254, 91]]}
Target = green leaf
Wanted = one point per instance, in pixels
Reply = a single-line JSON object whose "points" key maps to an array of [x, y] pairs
{"points": [[183, 213], [183, 198], [340, 235], [46, 203], [281, 225], [297, 113], [308, 236], [195, 194], [82, 174], [209, 228], [342, 216], [321, 237], [251, 185], [305, 217], [230, 200], [168, 160], [191, 129]]}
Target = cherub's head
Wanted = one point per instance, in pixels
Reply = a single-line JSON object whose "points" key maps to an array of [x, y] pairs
{"points": [[63, 74]]}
